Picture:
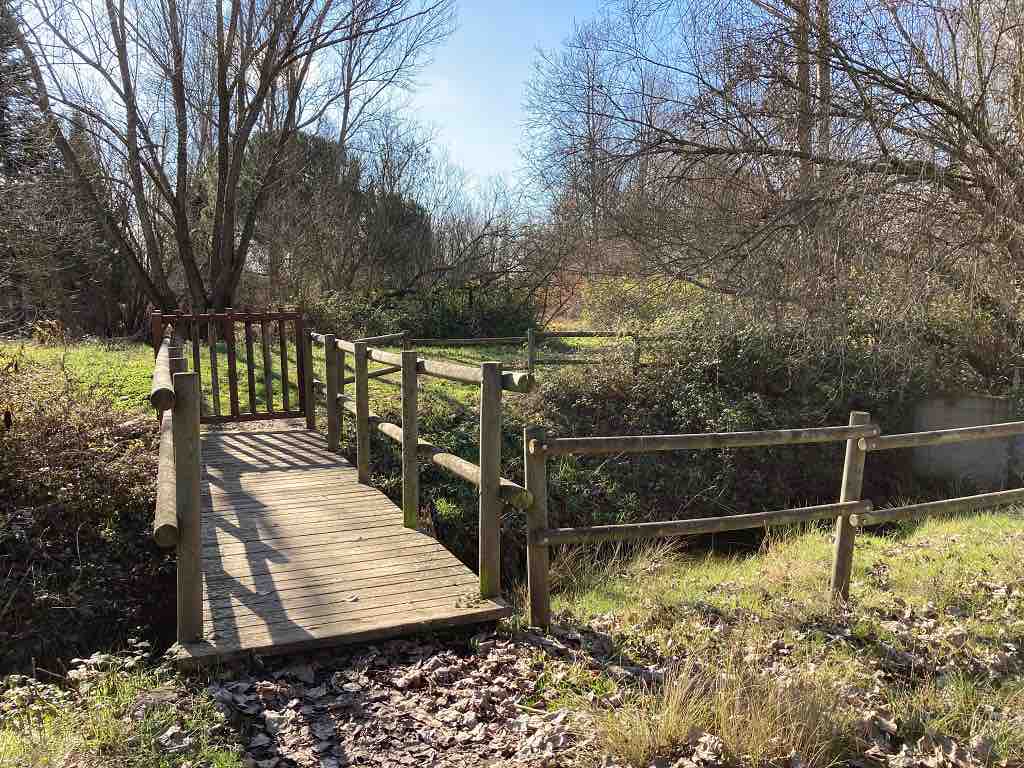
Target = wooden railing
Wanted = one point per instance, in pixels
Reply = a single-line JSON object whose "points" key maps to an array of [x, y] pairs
{"points": [[494, 491], [175, 394], [210, 327], [850, 511]]}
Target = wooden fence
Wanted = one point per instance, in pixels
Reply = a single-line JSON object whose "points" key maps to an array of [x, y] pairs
{"points": [[849, 512], [495, 492], [210, 327]]}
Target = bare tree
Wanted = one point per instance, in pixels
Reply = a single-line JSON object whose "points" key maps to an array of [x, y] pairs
{"points": [[175, 92], [736, 164]]}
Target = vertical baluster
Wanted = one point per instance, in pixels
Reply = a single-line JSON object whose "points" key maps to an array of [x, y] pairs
{"points": [[490, 480], [283, 344], [229, 337], [211, 330], [250, 366], [268, 368]]}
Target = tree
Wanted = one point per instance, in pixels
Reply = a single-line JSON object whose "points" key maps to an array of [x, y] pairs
{"points": [[171, 90], [731, 162]]}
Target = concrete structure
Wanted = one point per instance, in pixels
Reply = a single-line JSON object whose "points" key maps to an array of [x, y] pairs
{"points": [[985, 464]]}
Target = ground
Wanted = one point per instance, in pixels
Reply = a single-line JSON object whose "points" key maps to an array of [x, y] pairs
{"points": [[659, 656]]}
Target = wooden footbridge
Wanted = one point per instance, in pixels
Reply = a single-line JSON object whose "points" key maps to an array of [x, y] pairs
{"points": [[283, 545]]}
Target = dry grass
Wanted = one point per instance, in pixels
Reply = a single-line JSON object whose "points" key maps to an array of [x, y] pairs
{"points": [[760, 718]]}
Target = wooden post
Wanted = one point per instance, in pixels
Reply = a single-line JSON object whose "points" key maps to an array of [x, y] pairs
{"points": [[214, 375], [490, 480], [282, 339], [531, 349], [853, 484], [362, 412], [410, 441], [333, 418], [268, 367], [343, 370], [537, 566], [250, 366], [187, 466], [306, 346], [156, 330]]}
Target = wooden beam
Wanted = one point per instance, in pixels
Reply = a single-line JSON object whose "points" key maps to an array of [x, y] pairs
{"points": [[946, 506], [161, 392], [602, 533], [942, 436], [654, 443]]}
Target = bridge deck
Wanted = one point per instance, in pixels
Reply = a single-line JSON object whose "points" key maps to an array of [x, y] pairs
{"points": [[297, 554]]}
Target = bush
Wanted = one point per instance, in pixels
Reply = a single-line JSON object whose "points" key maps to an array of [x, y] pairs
{"points": [[439, 314], [77, 486]]}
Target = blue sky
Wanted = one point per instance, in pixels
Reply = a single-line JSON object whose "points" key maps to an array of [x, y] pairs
{"points": [[473, 91]]}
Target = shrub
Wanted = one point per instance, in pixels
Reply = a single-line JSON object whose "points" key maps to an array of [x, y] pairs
{"points": [[77, 485], [441, 313]]}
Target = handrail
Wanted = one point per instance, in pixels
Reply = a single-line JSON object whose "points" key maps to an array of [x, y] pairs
{"points": [[943, 436], [161, 393], [600, 533], [958, 504], [510, 492], [563, 446], [165, 518]]}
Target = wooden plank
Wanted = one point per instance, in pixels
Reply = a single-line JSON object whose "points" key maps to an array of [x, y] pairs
{"points": [[268, 368], [331, 572], [218, 419], [191, 655], [317, 611], [229, 338], [211, 331], [282, 343], [250, 365], [352, 557]]}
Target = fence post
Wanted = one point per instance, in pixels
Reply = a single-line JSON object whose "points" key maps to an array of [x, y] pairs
{"points": [[531, 349], [306, 345], [537, 566], [853, 484], [156, 330], [187, 468], [490, 479], [360, 363], [333, 419], [410, 441]]}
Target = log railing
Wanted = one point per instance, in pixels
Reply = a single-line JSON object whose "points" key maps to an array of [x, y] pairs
{"points": [[850, 511], [176, 396], [495, 492]]}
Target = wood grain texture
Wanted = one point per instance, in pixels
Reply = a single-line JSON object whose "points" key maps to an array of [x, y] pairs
{"points": [[297, 554]]}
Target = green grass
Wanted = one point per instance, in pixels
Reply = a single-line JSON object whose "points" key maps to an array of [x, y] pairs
{"points": [[932, 636], [121, 372], [115, 715]]}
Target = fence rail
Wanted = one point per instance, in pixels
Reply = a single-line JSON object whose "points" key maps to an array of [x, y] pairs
{"points": [[850, 512]]}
